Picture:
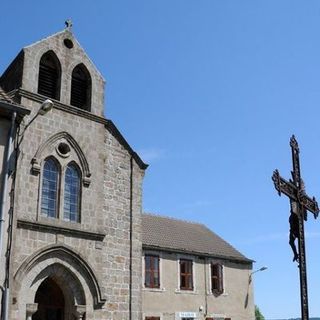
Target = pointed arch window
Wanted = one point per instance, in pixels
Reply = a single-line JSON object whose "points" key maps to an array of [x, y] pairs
{"points": [[50, 182], [81, 88], [71, 206], [49, 75]]}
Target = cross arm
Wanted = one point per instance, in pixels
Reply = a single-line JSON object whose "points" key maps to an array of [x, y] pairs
{"points": [[289, 189], [284, 186], [310, 204]]}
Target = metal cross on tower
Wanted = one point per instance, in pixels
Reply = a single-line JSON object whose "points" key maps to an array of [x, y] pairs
{"points": [[300, 203]]}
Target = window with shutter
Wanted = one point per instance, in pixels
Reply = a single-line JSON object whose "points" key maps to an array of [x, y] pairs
{"points": [[186, 276], [81, 88], [152, 271], [49, 76], [217, 278]]}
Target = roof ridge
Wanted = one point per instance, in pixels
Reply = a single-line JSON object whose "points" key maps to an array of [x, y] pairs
{"points": [[174, 218]]}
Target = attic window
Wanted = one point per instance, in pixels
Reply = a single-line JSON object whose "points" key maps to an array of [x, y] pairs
{"points": [[81, 88], [49, 76]]}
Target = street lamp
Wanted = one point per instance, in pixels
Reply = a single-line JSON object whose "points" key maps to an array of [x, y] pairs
{"points": [[45, 107], [253, 272]]}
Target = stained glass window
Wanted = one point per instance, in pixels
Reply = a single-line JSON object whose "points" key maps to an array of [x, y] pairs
{"points": [[72, 194], [50, 189]]}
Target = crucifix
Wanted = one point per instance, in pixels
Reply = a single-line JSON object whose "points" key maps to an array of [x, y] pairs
{"points": [[300, 203]]}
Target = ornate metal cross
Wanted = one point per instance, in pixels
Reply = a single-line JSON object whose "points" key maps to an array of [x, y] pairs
{"points": [[300, 203]]}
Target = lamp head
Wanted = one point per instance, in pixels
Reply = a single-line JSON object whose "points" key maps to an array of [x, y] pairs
{"points": [[263, 268], [46, 106]]}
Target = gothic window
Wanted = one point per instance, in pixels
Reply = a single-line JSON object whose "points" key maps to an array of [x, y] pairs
{"points": [[81, 88], [49, 76], [216, 278], [152, 272], [71, 205], [50, 181], [186, 276]]}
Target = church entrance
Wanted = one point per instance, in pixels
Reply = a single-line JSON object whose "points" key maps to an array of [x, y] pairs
{"points": [[50, 301]]}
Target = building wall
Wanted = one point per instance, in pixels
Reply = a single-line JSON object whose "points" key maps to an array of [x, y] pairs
{"points": [[4, 131], [169, 302], [89, 260]]}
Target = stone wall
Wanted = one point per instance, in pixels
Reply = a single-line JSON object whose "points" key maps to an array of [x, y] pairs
{"points": [[97, 261]]}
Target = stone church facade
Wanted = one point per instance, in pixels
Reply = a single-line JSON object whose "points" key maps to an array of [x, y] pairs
{"points": [[74, 243], [71, 216]]}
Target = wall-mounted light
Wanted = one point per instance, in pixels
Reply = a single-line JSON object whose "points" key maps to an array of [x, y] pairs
{"points": [[46, 106], [261, 269]]}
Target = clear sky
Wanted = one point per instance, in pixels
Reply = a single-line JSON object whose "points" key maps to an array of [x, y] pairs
{"points": [[208, 92]]}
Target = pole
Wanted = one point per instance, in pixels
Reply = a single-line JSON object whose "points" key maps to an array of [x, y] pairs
{"points": [[303, 268]]}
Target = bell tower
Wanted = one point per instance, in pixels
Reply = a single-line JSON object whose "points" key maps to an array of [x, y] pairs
{"points": [[77, 193], [57, 68]]}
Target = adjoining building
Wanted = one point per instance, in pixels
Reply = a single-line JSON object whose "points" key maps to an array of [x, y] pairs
{"points": [[191, 273], [71, 209]]}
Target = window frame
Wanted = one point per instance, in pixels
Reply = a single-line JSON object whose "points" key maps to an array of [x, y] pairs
{"points": [[63, 195], [60, 193], [152, 271], [217, 278], [58, 188], [77, 83], [187, 275], [43, 68]]}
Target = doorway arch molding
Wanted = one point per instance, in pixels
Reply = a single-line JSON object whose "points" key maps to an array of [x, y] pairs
{"points": [[65, 266]]}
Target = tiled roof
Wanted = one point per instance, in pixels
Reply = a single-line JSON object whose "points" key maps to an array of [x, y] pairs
{"points": [[3, 96], [181, 236]]}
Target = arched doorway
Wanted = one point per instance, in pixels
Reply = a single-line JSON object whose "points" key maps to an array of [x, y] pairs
{"points": [[50, 300]]}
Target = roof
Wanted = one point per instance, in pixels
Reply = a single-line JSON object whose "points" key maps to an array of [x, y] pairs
{"points": [[8, 107], [168, 234]]}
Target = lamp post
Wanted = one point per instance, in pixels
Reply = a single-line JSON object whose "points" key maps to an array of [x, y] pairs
{"points": [[45, 107]]}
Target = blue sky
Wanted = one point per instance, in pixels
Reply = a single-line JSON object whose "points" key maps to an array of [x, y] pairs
{"points": [[209, 93]]}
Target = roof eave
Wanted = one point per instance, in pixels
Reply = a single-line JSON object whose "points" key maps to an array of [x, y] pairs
{"points": [[243, 260], [8, 108]]}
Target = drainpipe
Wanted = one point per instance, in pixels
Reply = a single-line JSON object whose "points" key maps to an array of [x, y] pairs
{"points": [[130, 235], [5, 288], [205, 289]]}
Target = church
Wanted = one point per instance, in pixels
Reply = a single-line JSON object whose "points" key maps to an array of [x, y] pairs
{"points": [[74, 243]]}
